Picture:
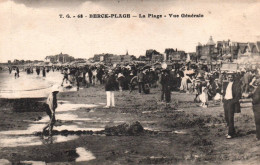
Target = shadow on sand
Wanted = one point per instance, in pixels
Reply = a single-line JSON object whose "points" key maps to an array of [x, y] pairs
{"points": [[24, 104]]}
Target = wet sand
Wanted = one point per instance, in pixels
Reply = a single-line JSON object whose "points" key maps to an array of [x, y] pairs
{"points": [[187, 135]]}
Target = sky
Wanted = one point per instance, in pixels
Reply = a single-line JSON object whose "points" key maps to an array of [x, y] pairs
{"points": [[32, 29]]}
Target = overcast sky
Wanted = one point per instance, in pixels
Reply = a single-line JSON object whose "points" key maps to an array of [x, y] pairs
{"points": [[32, 29]]}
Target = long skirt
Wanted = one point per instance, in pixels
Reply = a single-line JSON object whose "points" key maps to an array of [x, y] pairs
{"points": [[184, 85], [204, 97]]}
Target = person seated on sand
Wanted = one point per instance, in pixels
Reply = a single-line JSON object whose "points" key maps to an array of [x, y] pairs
{"points": [[52, 105]]}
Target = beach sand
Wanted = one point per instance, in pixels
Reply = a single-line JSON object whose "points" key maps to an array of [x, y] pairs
{"points": [[182, 134]]}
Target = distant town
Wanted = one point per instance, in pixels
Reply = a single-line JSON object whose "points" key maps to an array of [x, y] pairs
{"points": [[209, 52]]}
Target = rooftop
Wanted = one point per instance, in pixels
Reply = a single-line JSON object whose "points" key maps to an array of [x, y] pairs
{"points": [[211, 42]]}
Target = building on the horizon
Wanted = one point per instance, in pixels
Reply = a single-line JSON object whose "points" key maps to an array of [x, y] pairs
{"points": [[80, 59], [16, 61], [59, 58], [207, 53], [153, 56], [174, 55], [112, 58], [104, 57], [227, 50], [28, 61], [249, 49], [193, 56], [142, 58], [157, 58], [168, 52]]}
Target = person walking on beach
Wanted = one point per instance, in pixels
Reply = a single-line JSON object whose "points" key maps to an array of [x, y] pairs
{"points": [[10, 70], [52, 105], [17, 72], [38, 70], [43, 72], [65, 76], [77, 78]]}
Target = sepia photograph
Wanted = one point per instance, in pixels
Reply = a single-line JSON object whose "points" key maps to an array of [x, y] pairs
{"points": [[129, 82]]}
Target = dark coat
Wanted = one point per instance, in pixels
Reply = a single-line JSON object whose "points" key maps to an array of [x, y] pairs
{"points": [[256, 96], [111, 83], [165, 79], [140, 76], [236, 94], [247, 78]]}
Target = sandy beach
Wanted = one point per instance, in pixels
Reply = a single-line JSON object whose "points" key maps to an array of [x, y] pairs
{"points": [[182, 134]]}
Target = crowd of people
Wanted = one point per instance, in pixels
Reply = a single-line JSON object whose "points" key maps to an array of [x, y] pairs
{"points": [[204, 83]]}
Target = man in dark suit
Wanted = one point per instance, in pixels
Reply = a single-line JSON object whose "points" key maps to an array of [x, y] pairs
{"points": [[232, 94], [165, 81]]}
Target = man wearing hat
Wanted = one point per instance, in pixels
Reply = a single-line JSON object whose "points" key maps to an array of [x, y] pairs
{"points": [[110, 87], [232, 94], [52, 105]]}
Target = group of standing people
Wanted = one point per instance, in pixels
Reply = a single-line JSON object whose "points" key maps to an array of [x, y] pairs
{"points": [[232, 93], [29, 70], [43, 69], [15, 70], [214, 83]]}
